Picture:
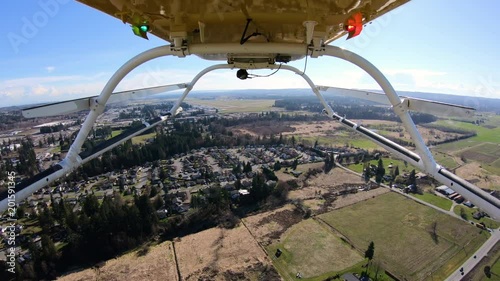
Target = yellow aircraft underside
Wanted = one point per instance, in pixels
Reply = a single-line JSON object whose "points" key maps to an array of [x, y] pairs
{"points": [[224, 21]]}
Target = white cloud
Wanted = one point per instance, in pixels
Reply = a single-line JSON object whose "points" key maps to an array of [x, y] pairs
{"points": [[64, 87], [50, 69], [39, 90]]}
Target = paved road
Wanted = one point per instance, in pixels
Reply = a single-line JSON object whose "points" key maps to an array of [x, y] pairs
{"points": [[479, 254]]}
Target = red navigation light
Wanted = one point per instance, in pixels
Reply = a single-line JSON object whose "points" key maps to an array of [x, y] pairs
{"points": [[354, 25]]}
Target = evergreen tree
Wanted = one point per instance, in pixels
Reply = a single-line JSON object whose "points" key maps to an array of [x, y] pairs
{"points": [[370, 251], [20, 212], [380, 171], [90, 205], [237, 169], [396, 172], [277, 166], [153, 192], [367, 172], [163, 175], [158, 202], [412, 180], [46, 220], [248, 167], [27, 158]]}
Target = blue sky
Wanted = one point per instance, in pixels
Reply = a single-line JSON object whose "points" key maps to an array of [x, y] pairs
{"points": [[445, 46]]}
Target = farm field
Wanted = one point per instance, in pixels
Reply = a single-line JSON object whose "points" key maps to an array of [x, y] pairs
{"points": [[281, 228], [143, 138], [476, 174], [115, 133], [313, 250], [317, 192], [488, 135], [267, 227], [487, 154], [222, 254], [446, 160], [481, 153], [150, 263], [484, 134], [329, 133], [232, 105], [402, 230]]}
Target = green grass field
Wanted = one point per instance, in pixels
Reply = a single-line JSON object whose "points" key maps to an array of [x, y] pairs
{"points": [[469, 212], [444, 159], [495, 270], [386, 161], [115, 133], [483, 148], [314, 251], [435, 200], [56, 149], [143, 138], [405, 243], [483, 134]]}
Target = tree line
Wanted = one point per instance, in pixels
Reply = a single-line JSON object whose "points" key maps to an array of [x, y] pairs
{"points": [[97, 232], [352, 110]]}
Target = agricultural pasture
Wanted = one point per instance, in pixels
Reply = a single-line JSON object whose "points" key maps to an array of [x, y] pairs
{"points": [[267, 227], [477, 174], [311, 249], [233, 105], [148, 263], [143, 138], [411, 240], [222, 254]]}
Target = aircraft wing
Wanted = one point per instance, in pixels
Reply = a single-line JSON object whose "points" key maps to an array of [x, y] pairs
{"points": [[70, 106], [408, 103], [223, 21]]}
